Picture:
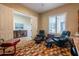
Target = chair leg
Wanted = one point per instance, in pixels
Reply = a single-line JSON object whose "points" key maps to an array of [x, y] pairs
{"points": [[3, 50], [49, 45], [74, 51], [14, 49]]}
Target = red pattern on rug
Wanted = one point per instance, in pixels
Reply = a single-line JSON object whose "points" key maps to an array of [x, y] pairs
{"points": [[32, 49]]}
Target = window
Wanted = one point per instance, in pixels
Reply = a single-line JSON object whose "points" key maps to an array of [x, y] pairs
{"points": [[57, 23]]}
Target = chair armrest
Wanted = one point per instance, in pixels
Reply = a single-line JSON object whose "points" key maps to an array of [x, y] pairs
{"points": [[56, 39], [1, 41], [57, 36]]}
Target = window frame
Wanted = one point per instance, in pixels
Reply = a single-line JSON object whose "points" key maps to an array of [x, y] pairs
{"points": [[56, 22]]}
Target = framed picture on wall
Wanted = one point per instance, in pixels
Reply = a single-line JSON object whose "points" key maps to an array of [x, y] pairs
{"points": [[19, 26]]}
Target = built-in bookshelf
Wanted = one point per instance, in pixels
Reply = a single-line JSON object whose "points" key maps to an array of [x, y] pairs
{"points": [[19, 31]]}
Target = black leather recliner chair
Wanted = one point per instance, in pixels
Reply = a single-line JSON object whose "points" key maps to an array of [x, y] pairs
{"points": [[62, 39], [40, 36]]}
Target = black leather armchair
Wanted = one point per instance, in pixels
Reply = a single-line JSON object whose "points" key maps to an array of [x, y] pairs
{"points": [[64, 38], [61, 40], [40, 36]]}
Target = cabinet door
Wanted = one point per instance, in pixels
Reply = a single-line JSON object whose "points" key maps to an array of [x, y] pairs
{"points": [[34, 23]]}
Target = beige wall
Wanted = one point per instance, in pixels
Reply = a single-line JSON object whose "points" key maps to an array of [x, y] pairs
{"points": [[71, 19], [39, 22], [6, 19], [6, 24]]}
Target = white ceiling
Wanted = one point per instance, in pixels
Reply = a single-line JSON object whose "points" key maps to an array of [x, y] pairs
{"points": [[42, 7]]}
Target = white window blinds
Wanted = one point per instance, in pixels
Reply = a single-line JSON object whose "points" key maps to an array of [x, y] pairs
{"points": [[57, 23]]}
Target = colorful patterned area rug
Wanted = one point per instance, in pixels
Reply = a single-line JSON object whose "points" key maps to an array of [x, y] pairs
{"points": [[33, 49]]}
